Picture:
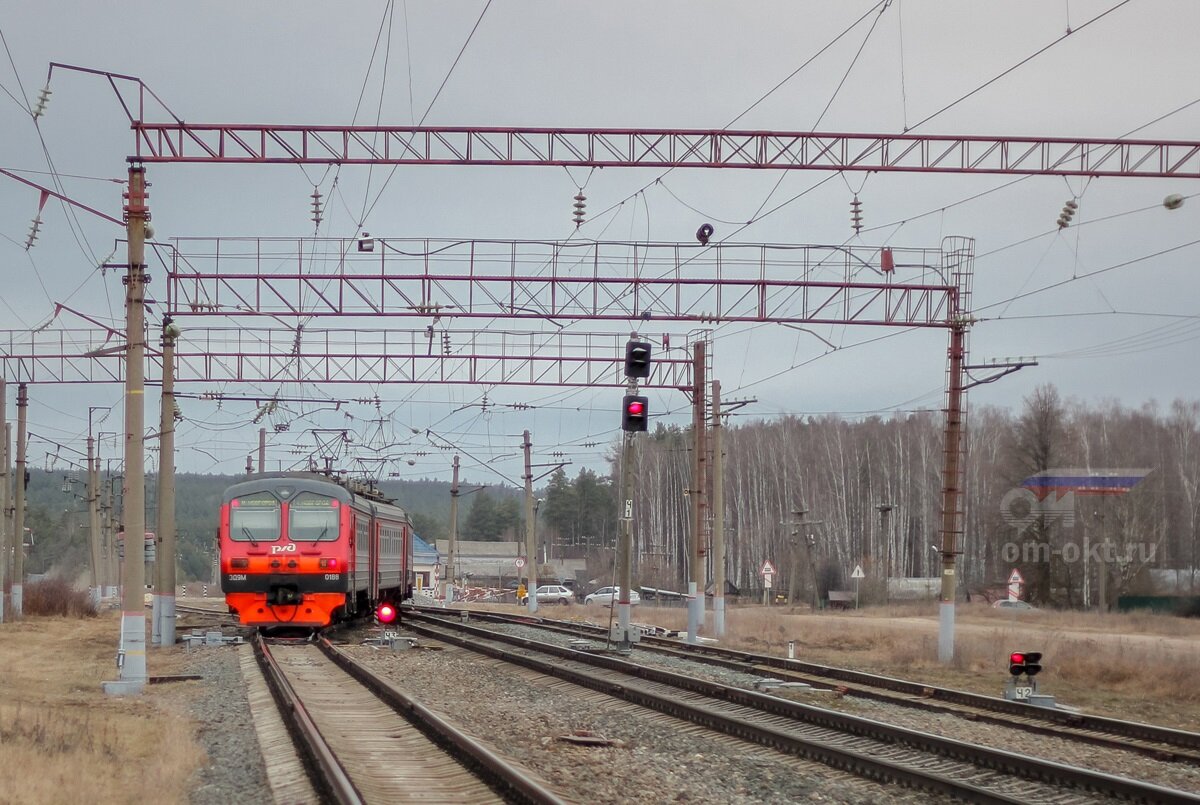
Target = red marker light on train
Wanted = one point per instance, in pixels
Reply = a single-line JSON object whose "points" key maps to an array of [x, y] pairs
{"points": [[385, 613], [330, 563]]}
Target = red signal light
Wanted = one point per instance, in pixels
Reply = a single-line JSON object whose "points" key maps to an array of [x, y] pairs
{"points": [[1016, 658], [385, 613], [635, 411]]}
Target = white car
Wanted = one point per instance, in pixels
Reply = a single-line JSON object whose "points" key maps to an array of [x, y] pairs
{"points": [[610, 595], [552, 594]]}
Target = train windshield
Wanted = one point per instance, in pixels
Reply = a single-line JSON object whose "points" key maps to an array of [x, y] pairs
{"points": [[254, 518], [312, 518]]}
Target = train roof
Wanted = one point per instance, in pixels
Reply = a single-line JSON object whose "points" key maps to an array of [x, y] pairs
{"points": [[340, 489], [298, 482]]}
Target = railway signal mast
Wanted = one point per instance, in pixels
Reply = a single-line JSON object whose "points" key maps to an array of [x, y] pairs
{"points": [[635, 414]]}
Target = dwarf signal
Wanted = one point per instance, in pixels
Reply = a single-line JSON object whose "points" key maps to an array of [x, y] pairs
{"points": [[385, 613], [1025, 662]]}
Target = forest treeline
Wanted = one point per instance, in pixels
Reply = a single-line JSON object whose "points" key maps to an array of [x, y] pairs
{"points": [[869, 491]]}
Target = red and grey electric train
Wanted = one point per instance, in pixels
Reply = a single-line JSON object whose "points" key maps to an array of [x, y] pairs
{"points": [[302, 550]]}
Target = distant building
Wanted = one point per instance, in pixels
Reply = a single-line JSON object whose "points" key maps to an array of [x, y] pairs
{"points": [[426, 563], [914, 589], [482, 562]]}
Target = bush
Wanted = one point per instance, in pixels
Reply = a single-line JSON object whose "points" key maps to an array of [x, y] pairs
{"points": [[56, 597]]}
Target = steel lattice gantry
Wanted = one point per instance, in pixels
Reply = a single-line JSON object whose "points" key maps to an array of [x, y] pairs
{"points": [[661, 148], [262, 355], [562, 281]]}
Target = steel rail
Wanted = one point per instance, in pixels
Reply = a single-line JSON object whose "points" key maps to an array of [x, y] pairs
{"points": [[842, 759], [329, 775], [741, 660], [514, 783], [1028, 768]]}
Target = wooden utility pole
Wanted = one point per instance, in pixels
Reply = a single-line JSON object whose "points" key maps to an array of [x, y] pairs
{"points": [[718, 514], [530, 544], [697, 575], [452, 558], [885, 511], [18, 573]]}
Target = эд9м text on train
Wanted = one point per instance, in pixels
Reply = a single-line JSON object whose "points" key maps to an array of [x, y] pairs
{"points": [[303, 550]]}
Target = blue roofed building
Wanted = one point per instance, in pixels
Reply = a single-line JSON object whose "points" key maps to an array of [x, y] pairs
{"points": [[426, 564]]}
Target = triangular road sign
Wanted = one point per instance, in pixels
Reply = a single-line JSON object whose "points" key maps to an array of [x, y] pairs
{"points": [[767, 568], [858, 573], [1015, 577]]}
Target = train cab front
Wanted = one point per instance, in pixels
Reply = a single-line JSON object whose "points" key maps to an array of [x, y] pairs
{"points": [[281, 561]]}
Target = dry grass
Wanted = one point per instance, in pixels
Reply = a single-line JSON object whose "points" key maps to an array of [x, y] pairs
{"points": [[64, 741], [56, 597]]}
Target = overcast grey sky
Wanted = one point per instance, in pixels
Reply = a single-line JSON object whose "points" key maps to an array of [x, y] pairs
{"points": [[1126, 334]]}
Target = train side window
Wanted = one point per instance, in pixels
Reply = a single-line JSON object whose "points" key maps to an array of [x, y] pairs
{"points": [[254, 518], [313, 518]]}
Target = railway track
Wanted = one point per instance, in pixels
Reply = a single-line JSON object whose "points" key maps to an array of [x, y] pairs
{"points": [[870, 749], [1160, 743], [365, 741]]}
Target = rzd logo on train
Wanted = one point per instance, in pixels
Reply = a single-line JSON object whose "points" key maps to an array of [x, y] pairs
{"points": [[289, 548]]}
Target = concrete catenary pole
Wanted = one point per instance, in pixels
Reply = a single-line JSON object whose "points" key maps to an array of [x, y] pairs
{"points": [[4, 591], [452, 557], [530, 544], [93, 501], [696, 570], [131, 654], [625, 535], [18, 572], [9, 512], [262, 450], [112, 524], [958, 262], [166, 489], [718, 514], [951, 502]]}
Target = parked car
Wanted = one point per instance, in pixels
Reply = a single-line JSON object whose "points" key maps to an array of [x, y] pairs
{"points": [[1021, 606], [608, 595], [551, 594]]}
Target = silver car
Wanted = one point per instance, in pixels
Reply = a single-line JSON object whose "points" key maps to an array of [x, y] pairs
{"points": [[552, 594], [607, 596]]}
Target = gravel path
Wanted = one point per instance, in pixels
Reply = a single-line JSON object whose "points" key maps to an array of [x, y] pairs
{"points": [[234, 770], [654, 758], [1112, 761]]}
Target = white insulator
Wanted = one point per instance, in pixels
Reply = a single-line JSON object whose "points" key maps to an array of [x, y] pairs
{"points": [[43, 99]]}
